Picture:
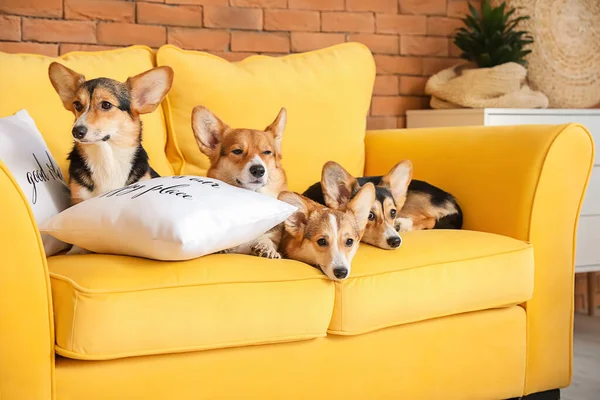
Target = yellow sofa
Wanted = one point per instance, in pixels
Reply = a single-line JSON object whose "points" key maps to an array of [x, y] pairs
{"points": [[481, 313]]}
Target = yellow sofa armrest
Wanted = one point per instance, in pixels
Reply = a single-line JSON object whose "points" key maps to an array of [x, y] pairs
{"points": [[526, 182], [26, 318]]}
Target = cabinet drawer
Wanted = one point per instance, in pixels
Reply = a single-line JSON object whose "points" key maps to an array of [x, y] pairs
{"points": [[591, 204], [588, 241]]}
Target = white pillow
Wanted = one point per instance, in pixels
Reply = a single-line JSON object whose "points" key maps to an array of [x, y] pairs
{"points": [[169, 218], [24, 151]]}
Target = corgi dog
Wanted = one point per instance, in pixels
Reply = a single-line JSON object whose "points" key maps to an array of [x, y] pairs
{"points": [[402, 204], [324, 237], [246, 158], [107, 151]]}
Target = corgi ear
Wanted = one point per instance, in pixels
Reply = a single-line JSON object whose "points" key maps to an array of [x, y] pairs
{"points": [[362, 203], [337, 185], [65, 82], [277, 127], [397, 181], [208, 130], [296, 223], [149, 88]]}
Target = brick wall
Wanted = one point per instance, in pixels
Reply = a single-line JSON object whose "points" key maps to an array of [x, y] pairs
{"points": [[409, 38]]}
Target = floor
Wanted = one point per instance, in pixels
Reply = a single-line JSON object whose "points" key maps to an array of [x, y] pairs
{"points": [[586, 361]]}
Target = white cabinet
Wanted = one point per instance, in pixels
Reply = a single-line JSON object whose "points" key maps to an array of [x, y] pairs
{"points": [[588, 234]]}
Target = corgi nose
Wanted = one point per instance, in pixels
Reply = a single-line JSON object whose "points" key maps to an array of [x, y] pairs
{"points": [[340, 273], [394, 242], [257, 171], [79, 131]]}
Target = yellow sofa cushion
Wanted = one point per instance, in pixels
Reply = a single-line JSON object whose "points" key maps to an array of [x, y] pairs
{"points": [[327, 94], [434, 274], [25, 77], [108, 307]]}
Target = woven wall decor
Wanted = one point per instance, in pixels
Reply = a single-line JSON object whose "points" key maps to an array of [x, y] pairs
{"points": [[565, 62]]}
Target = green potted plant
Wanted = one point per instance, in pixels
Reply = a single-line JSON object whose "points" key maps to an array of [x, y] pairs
{"points": [[491, 38], [495, 75]]}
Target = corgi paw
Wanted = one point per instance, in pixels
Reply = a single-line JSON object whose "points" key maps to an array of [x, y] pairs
{"points": [[267, 250], [76, 250], [404, 225]]}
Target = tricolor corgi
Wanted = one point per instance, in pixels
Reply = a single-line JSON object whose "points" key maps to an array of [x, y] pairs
{"points": [[323, 237], [107, 152], [246, 158], [402, 204]]}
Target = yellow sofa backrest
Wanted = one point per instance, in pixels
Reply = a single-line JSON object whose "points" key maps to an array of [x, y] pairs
{"points": [[327, 94], [25, 84]]}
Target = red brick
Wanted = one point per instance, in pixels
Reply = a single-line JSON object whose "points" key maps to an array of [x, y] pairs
{"points": [[29, 48], [442, 26], [33, 8], [453, 51], [228, 17], [403, 24], [292, 20], [10, 27], [116, 11], [233, 55], [398, 65], [69, 47], [386, 6], [379, 44], [423, 46], [163, 14], [260, 3], [401, 122], [259, 41], [375, 123], [386, 85], [305, 41], [393, 106], [46, 30], [199, 39], [429, 7], [458, 8], [128, 34], [325, 5], [347, 22], [434, 65], [199, 2], [414, 85]]}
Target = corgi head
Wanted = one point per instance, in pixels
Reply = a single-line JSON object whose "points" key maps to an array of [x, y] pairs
{"points": [[106, 109], [339, 188], [247, 158], [323, 237]]}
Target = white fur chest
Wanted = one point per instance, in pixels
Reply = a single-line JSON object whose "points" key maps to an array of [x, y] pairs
{"points": [[110, 166]]}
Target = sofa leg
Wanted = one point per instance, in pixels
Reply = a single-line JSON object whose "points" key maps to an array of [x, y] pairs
{"points": [[553, 394]]}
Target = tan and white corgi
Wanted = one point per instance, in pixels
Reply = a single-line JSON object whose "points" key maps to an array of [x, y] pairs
{"points": [[323, 237], [246, 158], [402, 204], [107, 151]]}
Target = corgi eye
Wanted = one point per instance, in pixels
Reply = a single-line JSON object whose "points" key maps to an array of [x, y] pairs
{"points": [[393, 213], [106, 105], [78, 106], [267, 152], [322, 242], [349, 242], [371, 216], [237, 151]]}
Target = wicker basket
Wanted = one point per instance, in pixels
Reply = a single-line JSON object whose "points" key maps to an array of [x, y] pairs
{"points": [[565, 62]]}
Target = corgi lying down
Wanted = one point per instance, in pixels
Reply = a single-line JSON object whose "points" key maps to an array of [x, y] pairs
{"points": [[401, 205]]}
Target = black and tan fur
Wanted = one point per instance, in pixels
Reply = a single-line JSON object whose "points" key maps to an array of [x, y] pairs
{"points": [[246, 158], [402, 204], [323, 237], [107, 151]]}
